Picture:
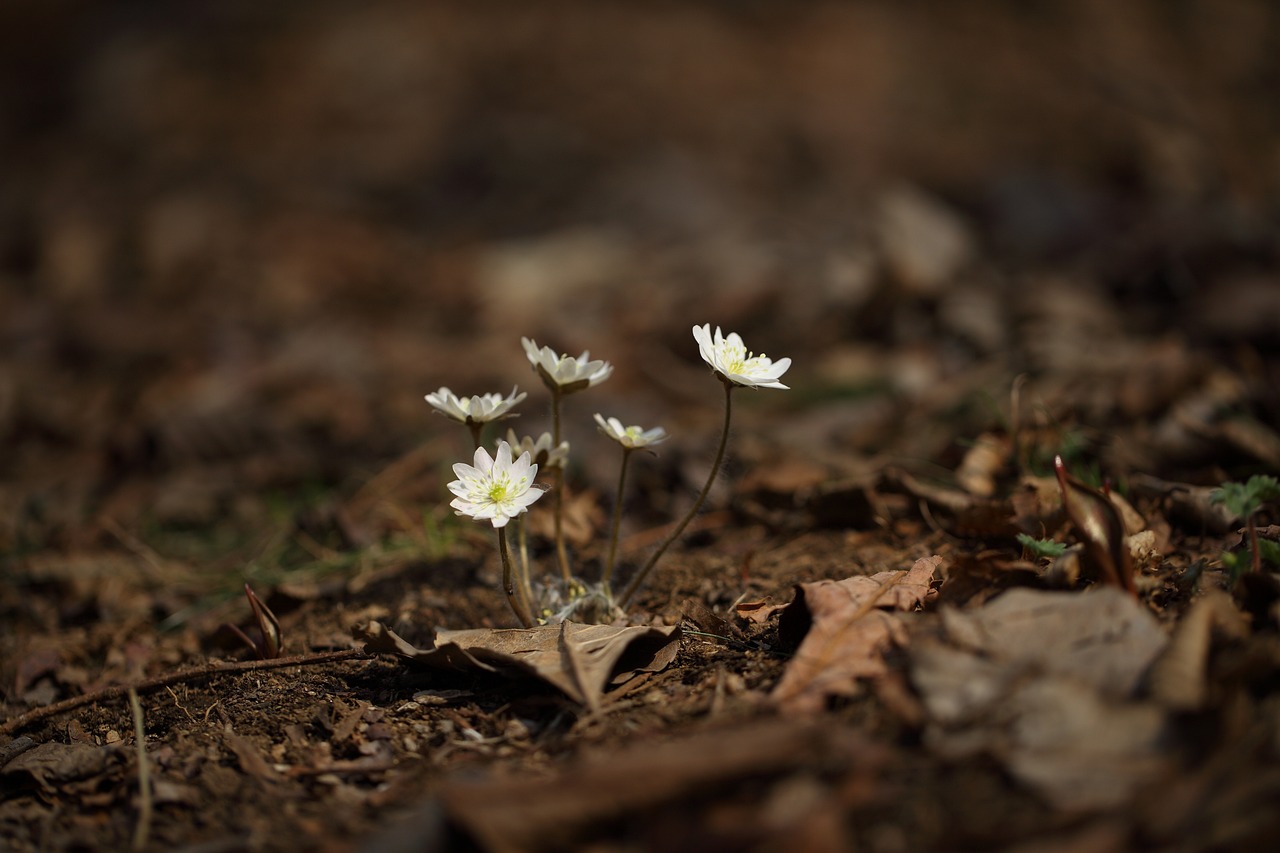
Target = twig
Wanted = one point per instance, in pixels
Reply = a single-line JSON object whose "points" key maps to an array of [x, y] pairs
{"points": [[115, 691], [143, 830]]}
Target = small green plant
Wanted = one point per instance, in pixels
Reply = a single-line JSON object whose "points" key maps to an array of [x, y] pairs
{"points": [[500, 488], [1041, 548], [1243, 500]]}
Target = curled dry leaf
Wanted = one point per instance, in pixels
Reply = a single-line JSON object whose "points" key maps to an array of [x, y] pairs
{"points": [[1100, 526], [581, 660], [845, 633], [757, 611], [1178, 678]]}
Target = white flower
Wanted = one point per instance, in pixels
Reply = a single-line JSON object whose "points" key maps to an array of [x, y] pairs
{"points": [[540, 450], [474, 410], [494, 488], [632, 437], [731, 359], [565, 372]]}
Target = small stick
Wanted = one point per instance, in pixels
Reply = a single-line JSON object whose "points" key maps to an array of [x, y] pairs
{"points": [[209, 670], [143, 830]]}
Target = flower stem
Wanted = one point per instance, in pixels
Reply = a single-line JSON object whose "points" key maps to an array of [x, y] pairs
{"points": [[562, 556], [523, 585], [508, 583], [697, 504], [475, 428], [522, 542], [617, 521]]}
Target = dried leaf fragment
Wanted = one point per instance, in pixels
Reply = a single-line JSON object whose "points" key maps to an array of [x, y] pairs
{"points": [[581, 660], [845, 633], [1045, 683], [1178, 678]]}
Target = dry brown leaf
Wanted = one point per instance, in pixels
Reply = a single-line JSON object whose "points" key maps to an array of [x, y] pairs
{"points": [[1102, 639], [50, 765], [845, 633], [972, 515], [1178, 678], [757, 611], [250, 757], [580, 660], [1043, 681], [974, 578], [549, 814], [1185, 504]]}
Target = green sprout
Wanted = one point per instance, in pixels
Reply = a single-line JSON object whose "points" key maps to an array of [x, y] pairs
{"points": [[1041, 548], [1243, 500]]}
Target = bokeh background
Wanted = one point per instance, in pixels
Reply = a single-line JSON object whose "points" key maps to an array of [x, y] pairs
{"points": [[239, 240]]}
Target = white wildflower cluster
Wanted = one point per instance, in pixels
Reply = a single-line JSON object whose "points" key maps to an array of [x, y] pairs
{"points": [[501, 487]]}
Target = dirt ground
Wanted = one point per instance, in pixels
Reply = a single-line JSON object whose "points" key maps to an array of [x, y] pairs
{"points": [[239, 243]]}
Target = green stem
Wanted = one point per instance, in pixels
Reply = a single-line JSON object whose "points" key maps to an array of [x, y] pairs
{"points": [[697, 504], [475, 428], [617, 520], [508, 583], [562, 556]]}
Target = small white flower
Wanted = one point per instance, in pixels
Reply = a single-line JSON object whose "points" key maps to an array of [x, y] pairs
{"points": [[496, 488], [632, 437], [474, 410], [540, 449], [729, 357], [565, 372]]}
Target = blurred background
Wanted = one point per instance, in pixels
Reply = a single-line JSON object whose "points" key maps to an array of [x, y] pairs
{"points": [[239, 241]]}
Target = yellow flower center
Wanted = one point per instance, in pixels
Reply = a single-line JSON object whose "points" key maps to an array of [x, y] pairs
{"points": [[499, 491], [739, 361]]}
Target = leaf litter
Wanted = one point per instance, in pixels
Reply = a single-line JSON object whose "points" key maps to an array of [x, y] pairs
{"points": [[582, 661], [209, 383], [845, 633]]}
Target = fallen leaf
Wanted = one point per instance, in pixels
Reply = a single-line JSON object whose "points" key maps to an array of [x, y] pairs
{"points": [[52, 765], [1178, 679], [550, 814], [250, 758], [581, 660], [1104, 640], [757, 611], [1189, 505], [1044, 682], [974, 578], [845, 634]]}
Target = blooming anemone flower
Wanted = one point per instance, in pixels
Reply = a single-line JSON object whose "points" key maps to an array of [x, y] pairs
{"points": [[632, 437], [563, 372], [729, 357], [494, 488], [540, 449], [474, 410]]}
